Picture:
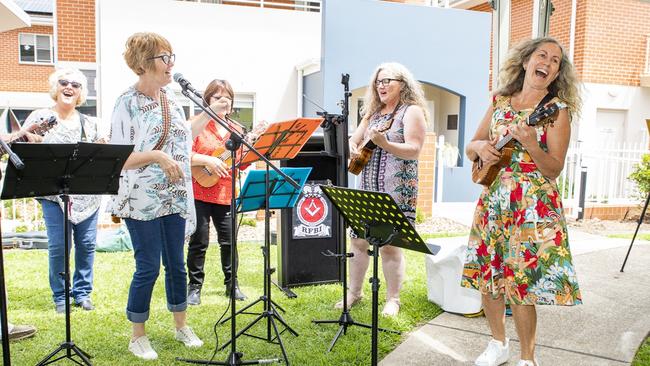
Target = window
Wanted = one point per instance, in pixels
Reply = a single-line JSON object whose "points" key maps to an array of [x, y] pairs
{"points": [[36, 48]]}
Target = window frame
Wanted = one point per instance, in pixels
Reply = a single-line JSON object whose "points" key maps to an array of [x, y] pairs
{"points": [[34, 37]]}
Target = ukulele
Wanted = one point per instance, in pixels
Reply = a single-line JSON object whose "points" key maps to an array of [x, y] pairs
{"points": [[39, 128], [357, 164], [207, 179], [485, 174]]}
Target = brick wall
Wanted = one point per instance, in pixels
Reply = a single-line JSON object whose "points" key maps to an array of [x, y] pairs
{"points": [[426, 174], [19, 77], [76, 29], [612, 38], [521, 20]]}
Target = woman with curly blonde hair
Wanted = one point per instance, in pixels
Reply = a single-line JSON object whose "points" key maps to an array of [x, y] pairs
{"points": [[395, 121], [518, 251]]}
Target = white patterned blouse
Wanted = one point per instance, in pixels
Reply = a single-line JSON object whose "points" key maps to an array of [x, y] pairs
{"points": [[145, 193]]}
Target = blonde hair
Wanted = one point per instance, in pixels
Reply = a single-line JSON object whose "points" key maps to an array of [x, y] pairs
{"points": [[71, 74], [566, 85], [411, 92], [141, 47]]}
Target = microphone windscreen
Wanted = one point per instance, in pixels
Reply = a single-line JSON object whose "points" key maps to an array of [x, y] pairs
{"points": [[178, 77]]}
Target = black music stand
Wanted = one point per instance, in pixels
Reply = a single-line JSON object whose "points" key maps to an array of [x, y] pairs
{"points": [[268, 190], [64, 169], [376, 217], [645, 207], [234, 143]]}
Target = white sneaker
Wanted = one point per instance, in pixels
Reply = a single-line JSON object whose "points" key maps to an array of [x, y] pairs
{"points": [[142, 348], [187, 336], [527, 363], [496, 353]]}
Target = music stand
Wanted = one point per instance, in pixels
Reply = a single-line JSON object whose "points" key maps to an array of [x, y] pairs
{"points": [[376, 217], [645, 207], [64, 169], [282, 140], [233, 144], [254, 196]]}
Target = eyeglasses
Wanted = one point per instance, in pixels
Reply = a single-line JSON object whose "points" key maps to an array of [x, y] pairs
{"points": [[165, 58], [384, 82], [217, 97], [65, 83]]}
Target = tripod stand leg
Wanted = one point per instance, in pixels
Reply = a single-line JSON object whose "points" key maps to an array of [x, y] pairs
{"points": [[277, 315], [341, 330], [645, 207]]}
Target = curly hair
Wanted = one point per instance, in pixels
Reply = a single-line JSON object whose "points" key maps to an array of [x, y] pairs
{"points": [[566, 85], [71, 74], [411, 92]]}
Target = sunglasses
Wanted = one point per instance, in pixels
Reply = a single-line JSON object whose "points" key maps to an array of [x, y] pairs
{"points": [[166, 59], [65, 83]]}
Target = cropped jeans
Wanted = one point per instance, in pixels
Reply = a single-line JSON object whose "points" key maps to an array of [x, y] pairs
{"points": [[162, 237]]}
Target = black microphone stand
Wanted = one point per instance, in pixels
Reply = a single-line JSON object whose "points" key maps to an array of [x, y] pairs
{"points": [[233, 144]]}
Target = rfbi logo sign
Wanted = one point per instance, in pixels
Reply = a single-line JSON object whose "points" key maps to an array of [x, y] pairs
{"points": [[312, 218]]}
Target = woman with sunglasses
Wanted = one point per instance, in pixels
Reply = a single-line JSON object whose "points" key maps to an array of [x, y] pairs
{"points": [[69, 89], [155, 194], [212, 196], [394, 119]]}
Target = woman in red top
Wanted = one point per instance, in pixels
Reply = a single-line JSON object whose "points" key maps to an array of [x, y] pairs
{"points": [[212, 202]]}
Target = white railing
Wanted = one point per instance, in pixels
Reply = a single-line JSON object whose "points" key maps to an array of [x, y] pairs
{"points": [[306, 5], [608, 168]]}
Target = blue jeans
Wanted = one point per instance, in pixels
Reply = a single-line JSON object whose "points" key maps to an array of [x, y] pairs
{"points": [[84, 238], [161, 237]]}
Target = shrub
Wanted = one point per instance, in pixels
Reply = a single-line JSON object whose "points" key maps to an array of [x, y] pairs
{"points": [[420, 217], [641, 175], [248, 221]]}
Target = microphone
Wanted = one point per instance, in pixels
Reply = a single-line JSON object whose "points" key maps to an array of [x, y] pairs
{"points": [[15, 160], [178, 77]]}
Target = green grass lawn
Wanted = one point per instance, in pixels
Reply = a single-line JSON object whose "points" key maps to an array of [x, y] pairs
{"points": [[104, 333], [639, 236], [642, 357]]}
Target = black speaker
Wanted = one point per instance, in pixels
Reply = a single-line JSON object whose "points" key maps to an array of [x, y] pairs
{"points": [[314, 225]]}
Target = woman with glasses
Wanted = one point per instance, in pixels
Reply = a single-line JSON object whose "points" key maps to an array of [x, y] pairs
{"points": [[69, 89], [212, 194], [155, 194], [394, 119]]}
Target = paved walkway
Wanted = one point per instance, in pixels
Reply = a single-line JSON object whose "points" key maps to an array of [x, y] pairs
{"points": [[606, 330]]}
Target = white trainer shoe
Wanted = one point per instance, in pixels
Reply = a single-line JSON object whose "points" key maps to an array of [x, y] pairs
{"points": [[142, 348], [496, 353], [527, 363], [187, 336]]}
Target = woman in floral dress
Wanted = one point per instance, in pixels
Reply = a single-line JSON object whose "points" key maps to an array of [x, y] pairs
{"points": [[518, 251]]}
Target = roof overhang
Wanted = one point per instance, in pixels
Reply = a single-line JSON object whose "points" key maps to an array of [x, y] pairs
{"points": [[12, 16], [467, 4]]}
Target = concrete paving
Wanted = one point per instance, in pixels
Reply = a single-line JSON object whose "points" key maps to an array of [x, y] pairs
{"points": [[606, 330]]}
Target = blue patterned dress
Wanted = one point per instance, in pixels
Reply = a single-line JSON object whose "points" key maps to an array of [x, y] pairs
{"points": [[386, 172]]}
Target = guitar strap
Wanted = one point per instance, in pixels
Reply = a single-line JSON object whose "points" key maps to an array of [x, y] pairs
{"points": [[544, 100]]}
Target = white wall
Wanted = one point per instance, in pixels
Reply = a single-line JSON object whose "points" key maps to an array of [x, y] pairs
{"points": [[255, 49], [633, 101]]}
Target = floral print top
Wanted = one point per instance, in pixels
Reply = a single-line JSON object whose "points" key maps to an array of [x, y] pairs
{"points": [[146, 193], [518, 243]]}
